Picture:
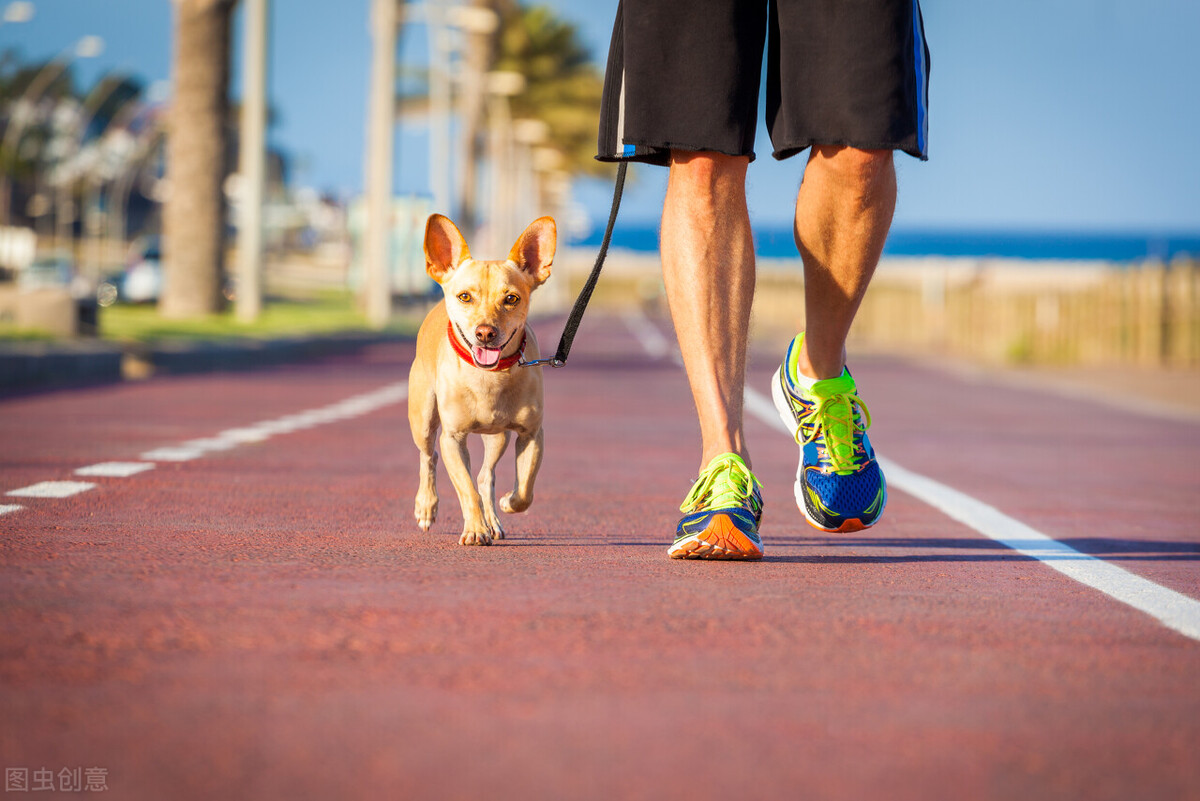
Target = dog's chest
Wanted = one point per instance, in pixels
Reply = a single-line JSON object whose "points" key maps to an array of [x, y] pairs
{"points": [[492, 407]]}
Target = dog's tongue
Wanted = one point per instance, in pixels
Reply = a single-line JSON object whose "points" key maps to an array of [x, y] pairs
{"points": [[485, 357]]}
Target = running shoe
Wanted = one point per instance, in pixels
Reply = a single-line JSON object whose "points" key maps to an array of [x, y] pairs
{"points": [[721, 514], [839, 485]]}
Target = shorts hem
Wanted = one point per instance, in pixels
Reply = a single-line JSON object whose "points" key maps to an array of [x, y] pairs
{"points": [[659, 153], [787, 151]]}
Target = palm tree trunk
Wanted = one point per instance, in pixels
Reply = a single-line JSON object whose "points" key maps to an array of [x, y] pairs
{"points": [[194, 212]]}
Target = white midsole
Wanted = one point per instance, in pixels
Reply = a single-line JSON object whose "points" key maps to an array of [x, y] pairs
{"points": [[784, 407]]}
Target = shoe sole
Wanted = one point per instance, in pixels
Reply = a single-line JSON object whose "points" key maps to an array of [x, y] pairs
{"points": [[784, 407], [720, 540]]}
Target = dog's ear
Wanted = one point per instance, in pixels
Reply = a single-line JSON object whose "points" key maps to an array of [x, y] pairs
{"points": [[445, 247], [534, 249]]}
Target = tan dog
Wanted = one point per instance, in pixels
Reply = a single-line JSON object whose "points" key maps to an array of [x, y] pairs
{"points": [[466, 378]]}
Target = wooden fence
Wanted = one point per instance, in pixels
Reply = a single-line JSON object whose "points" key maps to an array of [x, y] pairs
{"points": [[985, 310], [1016, 312]]}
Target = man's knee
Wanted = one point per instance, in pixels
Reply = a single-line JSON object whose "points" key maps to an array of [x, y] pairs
{"points": [[851, 166], [706, 169]]}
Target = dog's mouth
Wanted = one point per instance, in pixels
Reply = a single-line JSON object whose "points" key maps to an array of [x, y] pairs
{"points": [[485, 357], [482, 355]]}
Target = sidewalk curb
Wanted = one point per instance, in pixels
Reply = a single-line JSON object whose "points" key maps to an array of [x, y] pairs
{"points": [[38, 365], [46, 365]]}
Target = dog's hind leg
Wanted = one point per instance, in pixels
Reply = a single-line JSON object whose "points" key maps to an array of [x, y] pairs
{"points": [[423, 419], [529, 459], [494, 446]]}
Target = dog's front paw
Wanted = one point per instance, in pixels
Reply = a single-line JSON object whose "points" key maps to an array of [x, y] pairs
{"points": [[426, 514], [482, 537], [511, 504]]}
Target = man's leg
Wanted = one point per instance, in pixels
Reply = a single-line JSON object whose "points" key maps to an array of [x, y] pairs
{"points": [[708, 269], [843, 213]]}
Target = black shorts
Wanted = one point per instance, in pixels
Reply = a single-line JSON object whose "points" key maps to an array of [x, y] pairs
{"points": [[685, 75]]}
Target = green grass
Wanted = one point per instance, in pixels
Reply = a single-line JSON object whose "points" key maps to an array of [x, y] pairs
{"points": [[327, 313], [10, 333]]}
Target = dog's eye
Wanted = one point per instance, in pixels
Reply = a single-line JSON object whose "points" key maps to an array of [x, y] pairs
{"points": [[512, 300], [464, 297]]}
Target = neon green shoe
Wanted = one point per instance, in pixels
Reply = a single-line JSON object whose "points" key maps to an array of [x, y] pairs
{"points": [[839, 486], [721, 514]]}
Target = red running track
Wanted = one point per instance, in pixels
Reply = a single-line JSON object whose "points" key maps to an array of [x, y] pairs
{"points": [[267, 622]]}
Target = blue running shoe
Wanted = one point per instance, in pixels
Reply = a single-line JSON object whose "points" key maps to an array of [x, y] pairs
{"points": [[839, 486], [721, 514]]}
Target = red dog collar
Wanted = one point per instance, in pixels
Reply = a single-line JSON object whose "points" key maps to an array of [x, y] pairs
{"points": [[504, 363]]}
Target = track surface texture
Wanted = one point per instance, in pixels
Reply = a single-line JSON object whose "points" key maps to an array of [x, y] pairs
{"points": [[265, 620]]}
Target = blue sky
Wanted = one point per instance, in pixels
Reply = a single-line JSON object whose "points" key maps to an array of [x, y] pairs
{"points": [[1045, 114]]}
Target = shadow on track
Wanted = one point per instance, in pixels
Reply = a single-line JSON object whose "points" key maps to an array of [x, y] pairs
{"points": [[1107, 548]]}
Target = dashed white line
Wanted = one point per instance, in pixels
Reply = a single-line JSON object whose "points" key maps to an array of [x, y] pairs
{"points": [[5, 508], [172, 454], [52, 489], [226, 440], [243, 435], [1174, 610], [115, 469], [210, 444]]}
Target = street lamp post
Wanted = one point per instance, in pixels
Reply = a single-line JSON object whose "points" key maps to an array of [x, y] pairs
{"points": [[502, 86], [252, 162], [381, 121], [106, 148], [437, 24], [18, 11]]}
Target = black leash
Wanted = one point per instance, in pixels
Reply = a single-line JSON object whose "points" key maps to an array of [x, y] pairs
{"points": [[585, 294]]}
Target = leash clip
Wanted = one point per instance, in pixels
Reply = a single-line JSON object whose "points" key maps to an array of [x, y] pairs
{"points": [[539, 362]]}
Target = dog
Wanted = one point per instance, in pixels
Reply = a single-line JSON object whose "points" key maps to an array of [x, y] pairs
{"points": [[467, 379]]}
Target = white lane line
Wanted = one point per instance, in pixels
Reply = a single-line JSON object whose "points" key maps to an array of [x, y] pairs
{"points": [[243, 435], [345, 409], [52, 489], [1174, 610], [209, 444], [172, 454], [115, 469], [652, 340]]}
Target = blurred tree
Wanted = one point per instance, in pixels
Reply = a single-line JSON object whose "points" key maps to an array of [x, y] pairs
{"points": [[194, 212], [105, 100], [16, 76], [562, 87], [27, 110]]}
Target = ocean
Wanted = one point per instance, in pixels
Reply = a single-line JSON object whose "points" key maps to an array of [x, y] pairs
{"points": [[1062, 245]]}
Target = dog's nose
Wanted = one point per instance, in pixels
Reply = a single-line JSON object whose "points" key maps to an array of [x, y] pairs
{"points": [[486, 334]]}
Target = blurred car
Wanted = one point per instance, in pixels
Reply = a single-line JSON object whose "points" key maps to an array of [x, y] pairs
{"points": [[48, 271], [140, 281], [143, 276]]}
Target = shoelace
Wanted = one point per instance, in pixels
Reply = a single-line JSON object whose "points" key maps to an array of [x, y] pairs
{"points": [[834, 417], [727, 480]]}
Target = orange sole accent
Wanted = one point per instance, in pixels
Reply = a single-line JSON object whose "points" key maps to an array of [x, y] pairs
{"points": [[721, 540], [851, 525]]}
